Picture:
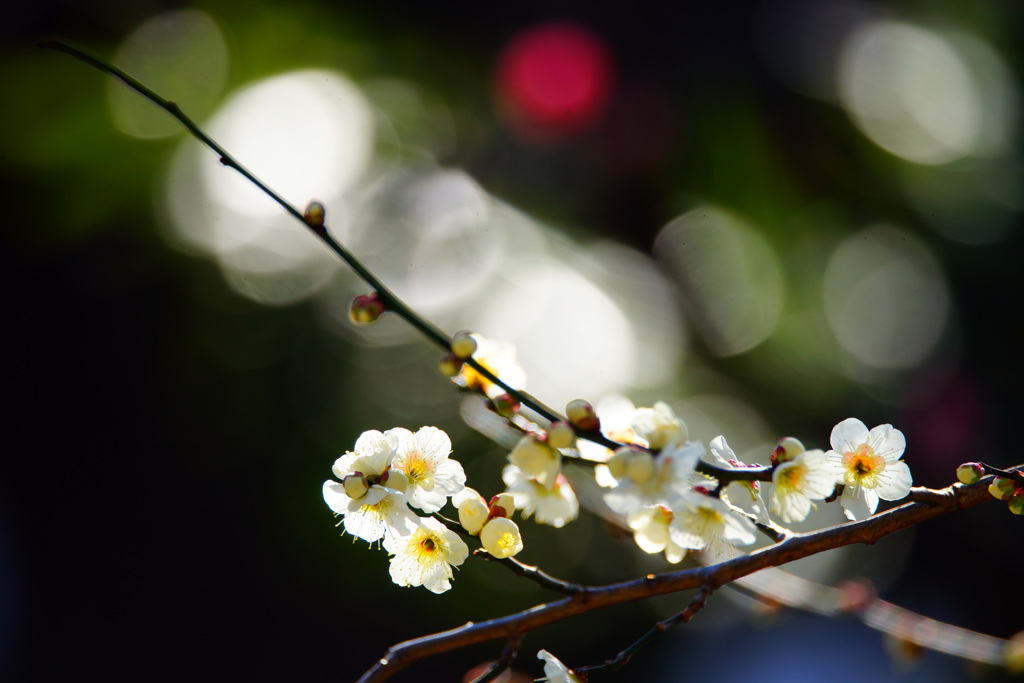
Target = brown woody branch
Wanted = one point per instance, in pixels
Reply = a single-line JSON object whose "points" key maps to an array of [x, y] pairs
{"points": [[933, 503]]}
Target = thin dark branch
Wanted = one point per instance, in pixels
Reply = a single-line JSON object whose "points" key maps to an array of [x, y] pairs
{"points": [[508, 656], [624, 657], [1008, 474], [797, 546], [535, 574]]}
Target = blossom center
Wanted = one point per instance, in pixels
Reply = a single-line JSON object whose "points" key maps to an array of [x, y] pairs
{"points": [[863, 467], [416, 468], [791, 477], [507, 540]]}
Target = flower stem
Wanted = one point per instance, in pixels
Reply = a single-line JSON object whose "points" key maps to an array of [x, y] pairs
{"points": [[390, 299]]}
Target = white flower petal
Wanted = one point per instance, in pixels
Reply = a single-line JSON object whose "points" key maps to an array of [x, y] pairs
{"points": [[848, 434], [894, 481], [723, 454], [430, 501], [887, 442], [435, 443], [335, 497], [860, 504]]}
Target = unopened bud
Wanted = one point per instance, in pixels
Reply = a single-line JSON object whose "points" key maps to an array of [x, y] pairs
{"points": [[463, 345], [355, 485], [561, 435], [501, 538], [395, 479], [506, 405], [1017, 503], [1002, 488], [640, 467], [788, 448], [450, 365], [970, 473], [619, 462], [581, 414], [366, 309], [502, 505], [314, 215], [473, 514]]}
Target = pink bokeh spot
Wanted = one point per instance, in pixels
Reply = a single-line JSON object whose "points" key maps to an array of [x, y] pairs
{"points": [[553, 81]]}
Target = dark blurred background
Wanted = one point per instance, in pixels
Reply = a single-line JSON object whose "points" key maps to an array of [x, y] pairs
{"points": [[773, 214]]}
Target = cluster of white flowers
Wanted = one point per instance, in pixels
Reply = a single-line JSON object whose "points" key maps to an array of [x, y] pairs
{"points": [[389, 472], [652, 480], [386, 474], [673, 509]]}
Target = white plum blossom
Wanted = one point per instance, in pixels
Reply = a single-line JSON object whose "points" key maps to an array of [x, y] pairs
{"points": [[795, 483], [555, 671], [500, 359], [653, 480], [555, 505], [868, 464], [746, 495], [658, 426], [423, 457], [426, 557], [371, 497], [650, 531], [702, 521], [501, 538]]}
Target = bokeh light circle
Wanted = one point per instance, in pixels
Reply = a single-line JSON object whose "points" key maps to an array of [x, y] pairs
{"points": [[179, 54], [729, 276], [886, 298], [911, 92], [554, 80]]}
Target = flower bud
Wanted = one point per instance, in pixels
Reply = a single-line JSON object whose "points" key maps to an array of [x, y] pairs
{"points": [[314, 215], [501, 538], [502, 505], [505, 405], [450, 365], [396, 480], [581, 414], [463, 345], [473, 513], [1017, 502], [355, 485], [619, 461], [970, 473], [640, 467], [788, 448], [366, 309], [1002, 488], [561, 435]]}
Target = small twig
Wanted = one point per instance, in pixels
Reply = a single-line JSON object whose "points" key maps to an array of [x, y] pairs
{"points": [[391, 300], [624, 657], [535, 574], [508, 655], [795, 547], [1016, 476], [772, 531], [526, 571]]}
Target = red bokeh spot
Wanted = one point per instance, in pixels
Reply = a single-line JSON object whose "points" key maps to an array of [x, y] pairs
{"points": [[554, 81]]}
